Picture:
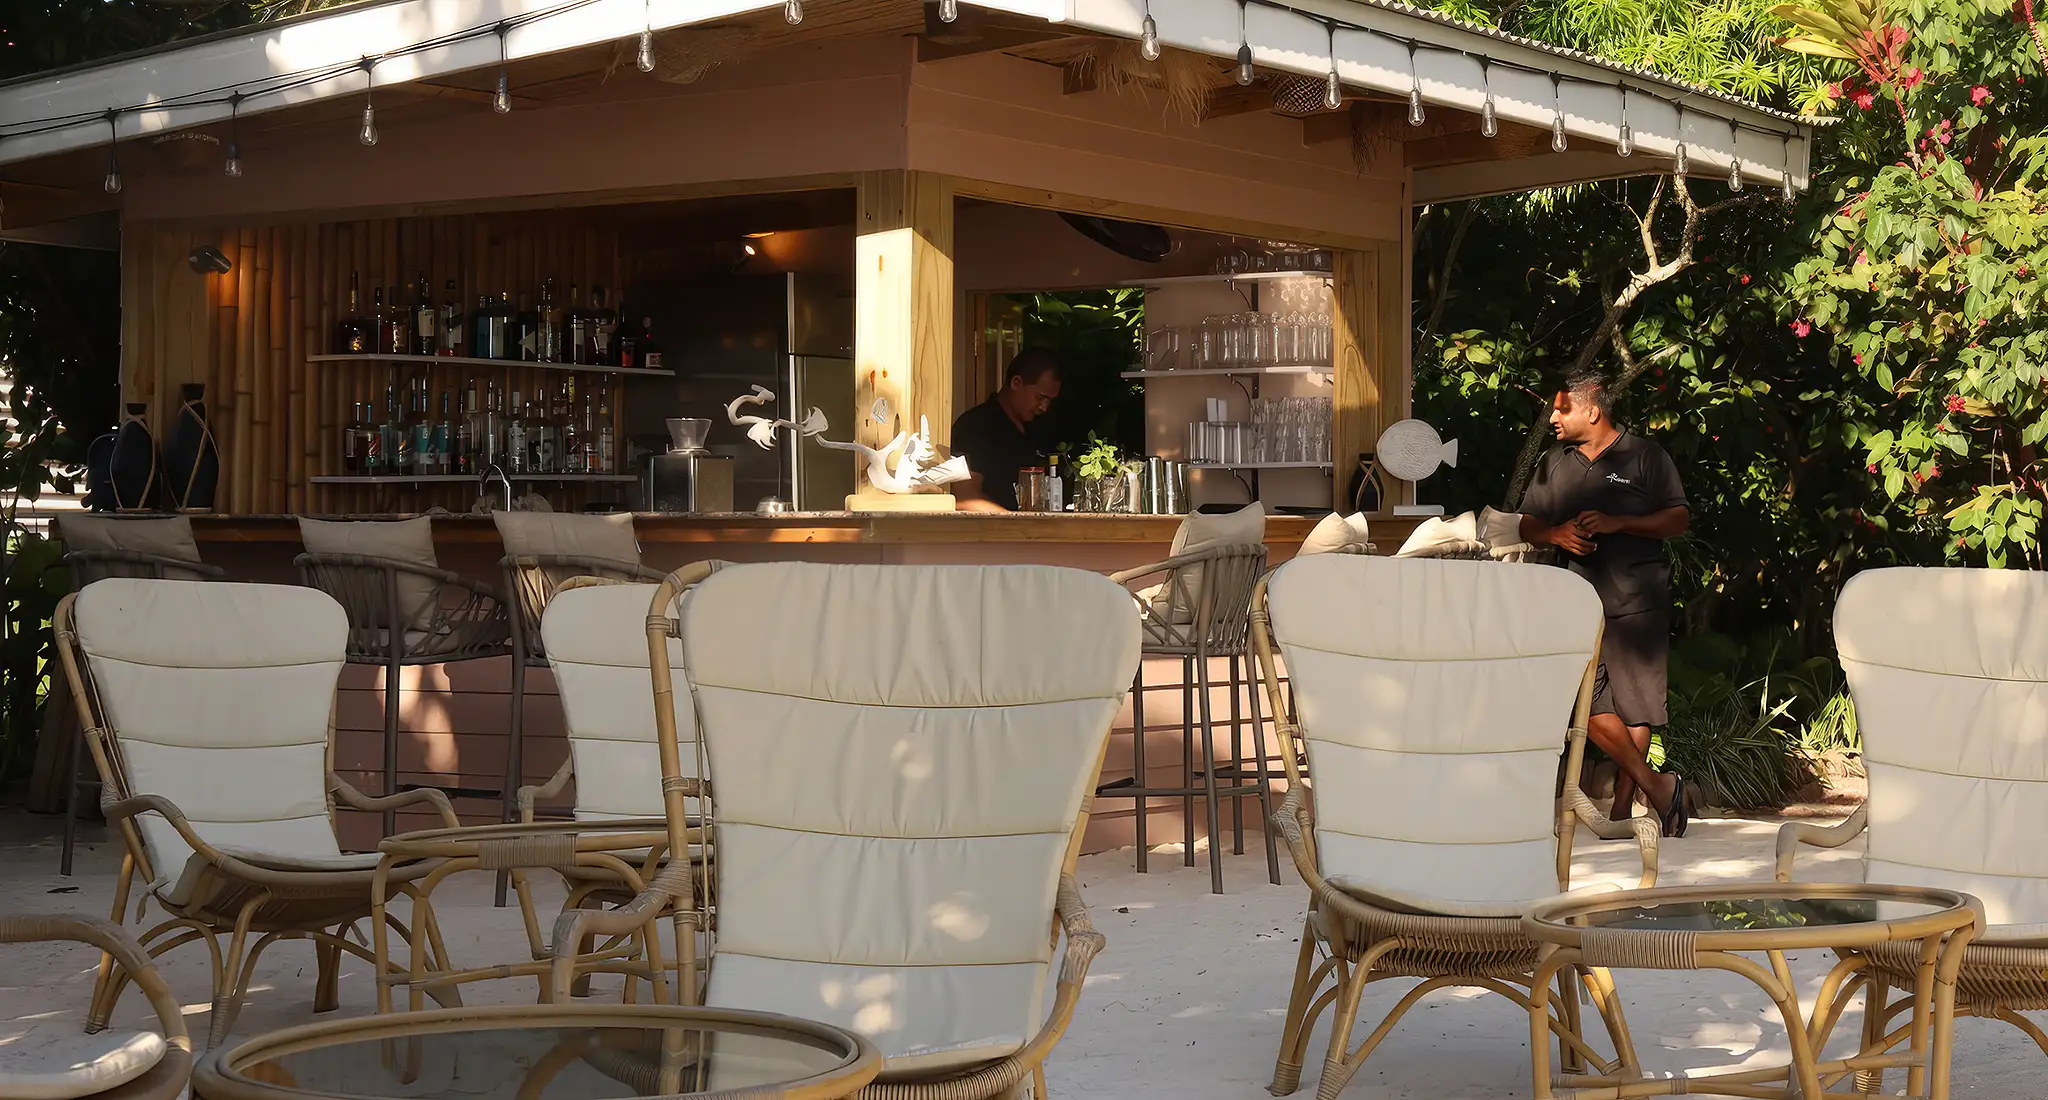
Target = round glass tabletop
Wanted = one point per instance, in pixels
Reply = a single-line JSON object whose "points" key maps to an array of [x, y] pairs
{"points": [[539, 1055], [1755, 914]]}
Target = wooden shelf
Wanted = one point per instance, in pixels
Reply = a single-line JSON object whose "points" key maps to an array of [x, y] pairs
{"points": [[464, 361], [1253, 466], [1222, 371], [456, 479], [1240, 277]]}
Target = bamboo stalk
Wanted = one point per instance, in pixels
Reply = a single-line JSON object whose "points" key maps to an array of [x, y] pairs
{"points": [[294, 369], [245, 377]]}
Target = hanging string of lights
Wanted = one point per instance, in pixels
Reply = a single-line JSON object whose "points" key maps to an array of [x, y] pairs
{"points": [[1149, 45]]}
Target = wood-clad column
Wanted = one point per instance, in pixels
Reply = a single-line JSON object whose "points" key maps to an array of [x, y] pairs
{"points": [[1369, 342], [903, 302]]}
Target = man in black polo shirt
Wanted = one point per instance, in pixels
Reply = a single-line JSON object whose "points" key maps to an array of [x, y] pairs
{"points": [[996, 437], [1609, 499]]}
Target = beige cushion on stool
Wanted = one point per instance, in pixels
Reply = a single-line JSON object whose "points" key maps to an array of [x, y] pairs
{"points": [[574, 534], [1203, 531], [60, 1063], [407, 540], [1335, 532], [166, 537]]}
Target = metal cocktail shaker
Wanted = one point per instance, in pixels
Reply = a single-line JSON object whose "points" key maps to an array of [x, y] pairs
{"points": [[1152, 486]]}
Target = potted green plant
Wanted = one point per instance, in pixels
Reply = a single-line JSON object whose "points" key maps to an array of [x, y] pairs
{"points": [[1098, 477]]}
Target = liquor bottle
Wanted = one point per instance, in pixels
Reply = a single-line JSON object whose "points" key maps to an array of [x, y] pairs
{"points": [[450, 324], [351, 438], [523, 333], [506, 318], [1055, 488], [516, 454], [604, 328], [573, 460], [373, 441], [588, 436], [582, 338], [547, 437], [626, 342], [479, 329], [488, 434], [425, 319], [352, 335], [391, 436], [420, 427], [548, 326], [463, 442], [441, 442], [399, 320], [379, 335], [605, 464], [650, 352]]}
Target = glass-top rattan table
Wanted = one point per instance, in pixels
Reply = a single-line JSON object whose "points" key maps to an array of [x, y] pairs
{"points": [[579, 1052], [1715, 928]]}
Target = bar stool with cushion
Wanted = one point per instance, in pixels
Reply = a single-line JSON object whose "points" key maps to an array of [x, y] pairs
{"points": [[1199, 610], [403, 608], [97, 547]]}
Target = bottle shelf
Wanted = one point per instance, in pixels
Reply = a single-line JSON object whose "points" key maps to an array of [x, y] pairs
{"points": [[465, 361], [1200, 372], [1237, 277], [457, 479]]}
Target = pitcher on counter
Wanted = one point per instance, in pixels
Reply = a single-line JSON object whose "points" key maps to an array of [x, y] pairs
{"points": [[1609, 498], [997, 436]]}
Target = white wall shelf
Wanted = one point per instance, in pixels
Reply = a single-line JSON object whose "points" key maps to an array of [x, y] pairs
{"points": [[465, 361]]}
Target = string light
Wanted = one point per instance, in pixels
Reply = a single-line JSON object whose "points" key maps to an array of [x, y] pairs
{"points": [[1414, 89], [1557, 141], [502, 102], [1626, 142], [368, 134], [112, 184], [1244, 48], [1333, 88], [949, 10], [1734, 161], [1489, 125], [1148, 35], [233, 166], [1679, 164], [793, 12], [1785, 186], [644, 60]]}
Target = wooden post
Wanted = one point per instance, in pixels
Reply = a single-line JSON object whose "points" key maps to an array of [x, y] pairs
{"points": [[903, 303], [1369, 341]]}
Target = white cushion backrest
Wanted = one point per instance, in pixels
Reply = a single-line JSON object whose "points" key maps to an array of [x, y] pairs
{"points": [[1434, 698], [1949, 670], [596, 641], [901, 754], [220, 697]]}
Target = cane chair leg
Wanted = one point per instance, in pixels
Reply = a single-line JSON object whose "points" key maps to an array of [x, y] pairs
{"points": [[1138, 777], [227, 986], [1265, 785], [1336, 1073], [1568, 1006], [327, 984], [1187, 759], [1606, 1001], [1209, 779], [1038, 1091], [1294, 1034]]}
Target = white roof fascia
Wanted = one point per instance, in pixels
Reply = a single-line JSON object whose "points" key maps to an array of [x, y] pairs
{"points": [[1769, 142]]}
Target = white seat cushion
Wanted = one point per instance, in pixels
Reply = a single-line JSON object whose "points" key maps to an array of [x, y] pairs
{"points": [[221, 697], [1434, 698], [1949, 670], [901, 756], [56, 1061], [596, 642]]}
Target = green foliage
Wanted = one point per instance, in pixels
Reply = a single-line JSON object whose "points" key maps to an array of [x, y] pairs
{"points": [[1736, 743], [1101, 458], [1926, 273]]}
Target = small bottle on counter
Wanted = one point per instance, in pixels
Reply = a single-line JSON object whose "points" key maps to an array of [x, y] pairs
{"points": [[352, 335], [1055, 489], [425, 319], [351, 441]]}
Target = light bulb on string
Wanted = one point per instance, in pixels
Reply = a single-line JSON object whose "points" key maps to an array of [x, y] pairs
{"points": [[1489, 123], [1414, 90], [1679, 162], [368, 134], [232, 168], [502, 101], [1244, 49], [793, 12], [112, 184], [1734, 160], [1557, 138], [1148, 36], [949, 10], [1333, 85], [645, 61], [1625, 142], [1785, 185]]}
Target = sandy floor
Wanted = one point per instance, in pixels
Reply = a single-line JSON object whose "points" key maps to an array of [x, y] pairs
{"points": [[1185, 1003]]}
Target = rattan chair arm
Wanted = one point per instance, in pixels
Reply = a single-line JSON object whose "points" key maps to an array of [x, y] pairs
{"points": [[528, 795], [1647, 832], [161, 564], [122, 808], [674, 885], [1178, 561], [1794, 833], [112, 939], [631, 572], [357, 800], [369, 561], [1290, 819]]}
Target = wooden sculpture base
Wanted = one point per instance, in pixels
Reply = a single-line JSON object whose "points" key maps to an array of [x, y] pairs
{"points": [[871, 501]]}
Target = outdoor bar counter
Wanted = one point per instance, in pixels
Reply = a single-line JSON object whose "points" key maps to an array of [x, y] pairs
{"points": [[453, 717]]}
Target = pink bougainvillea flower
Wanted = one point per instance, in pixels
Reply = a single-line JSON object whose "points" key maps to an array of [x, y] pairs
{"points": [[1979, 95], [1857, 359], [1864, 98], [1911, 78], [1801, 328], [1955, 402], [1934, 470], [1871, 468], [1862, 257]]}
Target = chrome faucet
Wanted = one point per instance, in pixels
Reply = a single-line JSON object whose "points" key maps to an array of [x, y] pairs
{"points": [[483, 484]]}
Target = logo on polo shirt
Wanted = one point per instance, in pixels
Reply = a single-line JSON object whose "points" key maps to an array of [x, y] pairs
{"points": [[1619, 480]]}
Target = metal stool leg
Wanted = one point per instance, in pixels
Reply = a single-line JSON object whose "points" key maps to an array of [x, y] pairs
{"points": [[1138, 756], [1187, 759], [1265, 788], [391, 675], [1236, 764], [515, 758], [1209, 778]]}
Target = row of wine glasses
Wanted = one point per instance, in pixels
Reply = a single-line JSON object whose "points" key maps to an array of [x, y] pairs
{"points": [[1281, 430]]}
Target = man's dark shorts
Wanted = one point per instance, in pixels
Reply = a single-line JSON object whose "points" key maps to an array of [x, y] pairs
{"points": [[1634, 652]]}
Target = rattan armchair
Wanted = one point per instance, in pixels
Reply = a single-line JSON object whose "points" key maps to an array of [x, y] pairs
{"points": [[441, 617], [1195, 606], [227, 822], [1406, 673], [827, 824], [1949, 672], [109, 1064]]}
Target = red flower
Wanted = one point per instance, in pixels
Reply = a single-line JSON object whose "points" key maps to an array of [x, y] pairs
{"points": [[1934, 470], [1857, 359], [1801, 328], [1864, 98], [1911, 78], [1955, 403], [1862, 257], [1745, 280], [1872, 467], [1979, 95]]}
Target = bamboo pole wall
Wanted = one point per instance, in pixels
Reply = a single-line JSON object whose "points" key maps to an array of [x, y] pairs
{"points": [[246, 336]]}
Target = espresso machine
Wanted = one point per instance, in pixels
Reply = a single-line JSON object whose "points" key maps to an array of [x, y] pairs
{"points": [[688, 478]]}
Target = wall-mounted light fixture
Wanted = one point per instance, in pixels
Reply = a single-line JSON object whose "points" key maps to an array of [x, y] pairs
{"points": [[208, 260]]}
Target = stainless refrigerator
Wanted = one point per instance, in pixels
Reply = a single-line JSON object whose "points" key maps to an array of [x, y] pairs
{"points": [[790, 333]]}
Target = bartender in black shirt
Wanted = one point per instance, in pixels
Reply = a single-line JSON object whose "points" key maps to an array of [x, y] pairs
{"points": [[996, 436], [1609, 499]]}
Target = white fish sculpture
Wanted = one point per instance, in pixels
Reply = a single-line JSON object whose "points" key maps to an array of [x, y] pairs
{"points": [[762, 429], [913, 466]]}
